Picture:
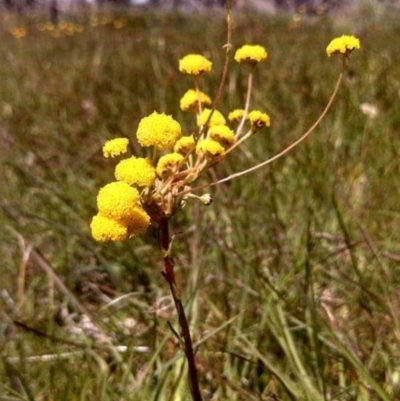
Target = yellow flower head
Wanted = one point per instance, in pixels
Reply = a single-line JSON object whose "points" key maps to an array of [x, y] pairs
{"points": [[115, 147], [343, 45], [209, 148], [194, 64], [184, 145], [222, 134], [236, 115], [259, 120], [169, 164], [136, 171], [105, 229], [216, 119], [138, 222], [191, 99], [116, 201], [19, 32], [251, 54], [159, 130]]}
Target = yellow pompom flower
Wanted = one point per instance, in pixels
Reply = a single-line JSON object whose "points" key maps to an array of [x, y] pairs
{"points": [[236, 115], [159, 130], [251, 54], [136, 171], [259, 120], [343, 45], [194, 64], [209, 148], [222, 134], [216, 119], [115, 147], [138, 222], [169, 164], [105, 229], [116, 201], [191, 99], [184, 145]]}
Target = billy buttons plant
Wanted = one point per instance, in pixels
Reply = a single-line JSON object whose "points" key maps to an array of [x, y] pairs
{"points": [[151, 190], [159, 186]]}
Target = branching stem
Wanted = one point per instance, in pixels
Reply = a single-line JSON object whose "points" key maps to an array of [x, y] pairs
{"points": [[287, 149]]}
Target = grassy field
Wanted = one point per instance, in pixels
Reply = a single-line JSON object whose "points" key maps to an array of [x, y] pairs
{"points": [[291, 279]]}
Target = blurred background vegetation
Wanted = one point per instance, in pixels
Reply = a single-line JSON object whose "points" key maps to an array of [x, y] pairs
{"points": [[291, 278]]}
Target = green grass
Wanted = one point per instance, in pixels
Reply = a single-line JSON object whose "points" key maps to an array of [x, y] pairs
{"points": [[291, 278]]}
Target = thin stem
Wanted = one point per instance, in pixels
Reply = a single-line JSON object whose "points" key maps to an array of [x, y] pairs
{"points": [[165, 243], [228, 47], [154, 156], [247, 105], [196, 85], [237, 143], [286, 150]]}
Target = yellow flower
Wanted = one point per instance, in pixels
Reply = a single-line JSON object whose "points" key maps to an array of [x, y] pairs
{"points": [[136, 171], [138, 222], [259, 120], [191, 99], [343, 45], [19, 32], [158, 130], [116, 201], [105, 229], [169, 164], [194, 64], [210, 148], [115, 147], [236, 115], [216, 119], [222, 134], [251, 54], [184, 145]]}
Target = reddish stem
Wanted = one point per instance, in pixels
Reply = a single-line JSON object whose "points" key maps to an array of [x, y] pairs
{"points": [[169, 275]]}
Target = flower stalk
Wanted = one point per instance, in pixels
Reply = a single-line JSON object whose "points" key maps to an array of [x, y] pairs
{"points": [[288, 148], [169, 275], [247, 104]]}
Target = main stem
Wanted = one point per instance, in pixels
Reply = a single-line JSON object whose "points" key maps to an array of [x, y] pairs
{"points": [[169, 275]]}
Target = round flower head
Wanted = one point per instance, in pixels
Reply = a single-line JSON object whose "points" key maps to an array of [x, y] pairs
{"points": [[184, 145], [138, 222], [115, 147], [236, 115], [209, 148], [216, 119], [259, 120], [169, 164], [251, 54], [105, 229], [116, 200], [158, 130], [136, 171], [194, 64], [343, 45], [191, 99], [222, 134]]}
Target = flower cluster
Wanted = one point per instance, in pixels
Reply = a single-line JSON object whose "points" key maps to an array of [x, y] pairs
{"points": [[120, 215], [152, 190]]}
